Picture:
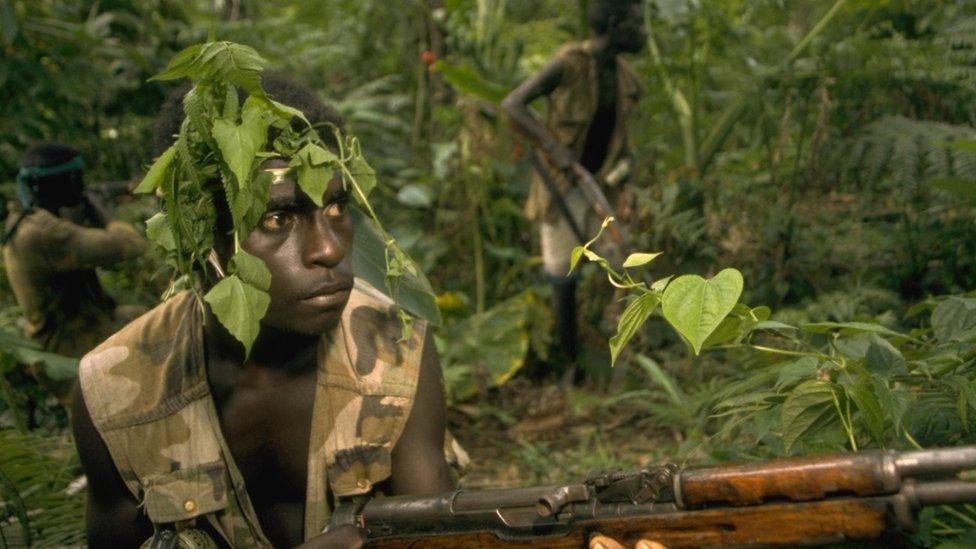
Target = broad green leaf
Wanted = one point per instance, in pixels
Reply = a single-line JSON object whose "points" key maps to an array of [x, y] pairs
{"points": [[369, 263], [314, 155], [489, 348], [808, 408], [801, 369], [240, 199], [158, 231], [231, 103], [252, 270], [638, 259], [25, 351], [774, 325], [883, 359], [179, 66], [468, 81], [729, 329], [260, 188], [364, 175], [696, 306], [239, 307], [955, 319], [849, 328], [239, 64], [867, 404], [633, 317], [894, 401], [965, 188], [750, 400], [314, 181], [239, 144], [287, 111], [157, 172]]}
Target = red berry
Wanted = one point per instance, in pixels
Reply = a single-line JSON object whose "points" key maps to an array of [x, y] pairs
{"points": [[428, 57]]}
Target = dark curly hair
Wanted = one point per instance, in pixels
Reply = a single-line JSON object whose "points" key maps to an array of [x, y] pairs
{"points": [[279, 86], [599, 12]]}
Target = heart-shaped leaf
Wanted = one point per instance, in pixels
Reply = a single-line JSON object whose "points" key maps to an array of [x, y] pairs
{"points": [[240, 307], [695, 306]]}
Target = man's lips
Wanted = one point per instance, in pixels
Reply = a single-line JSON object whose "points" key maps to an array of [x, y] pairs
{"points": [[330, 296]]}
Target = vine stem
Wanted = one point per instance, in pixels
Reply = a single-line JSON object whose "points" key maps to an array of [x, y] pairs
{"points": [[845, 421], [785, 352]]}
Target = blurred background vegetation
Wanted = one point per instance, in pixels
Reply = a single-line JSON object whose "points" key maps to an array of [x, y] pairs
{"points": [[827, 149]]}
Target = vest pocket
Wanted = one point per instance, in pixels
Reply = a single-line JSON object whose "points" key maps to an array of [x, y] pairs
{"points": [[186, 493]]}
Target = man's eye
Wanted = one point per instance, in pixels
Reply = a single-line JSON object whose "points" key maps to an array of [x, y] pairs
{"points": [[275, 221], [337, 208]]}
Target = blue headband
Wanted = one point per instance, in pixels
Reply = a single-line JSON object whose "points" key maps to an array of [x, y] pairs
{"points": [[26, 194]]}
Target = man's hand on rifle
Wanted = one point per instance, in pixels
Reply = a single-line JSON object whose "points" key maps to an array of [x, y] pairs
{"points": [[603, 542]]}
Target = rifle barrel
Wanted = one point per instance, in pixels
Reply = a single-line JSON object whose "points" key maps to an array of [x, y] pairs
{"points": [[935, 462], [942, 492]]}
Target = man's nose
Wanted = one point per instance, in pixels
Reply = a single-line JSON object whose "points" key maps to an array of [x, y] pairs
{"points": [[322, 245]]}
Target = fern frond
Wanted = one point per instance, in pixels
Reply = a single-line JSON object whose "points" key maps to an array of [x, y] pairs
{"points": [[912, 151], [959, 39], [37, 508]]}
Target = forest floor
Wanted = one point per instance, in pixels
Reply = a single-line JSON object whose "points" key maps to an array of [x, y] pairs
{"points": [[526, 433]]}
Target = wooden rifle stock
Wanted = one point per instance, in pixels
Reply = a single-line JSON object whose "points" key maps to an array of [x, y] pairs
{"points": [[804, 501]]}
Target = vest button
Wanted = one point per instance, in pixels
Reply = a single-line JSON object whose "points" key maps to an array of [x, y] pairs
{"points": [[363, 483], [189, 506]]}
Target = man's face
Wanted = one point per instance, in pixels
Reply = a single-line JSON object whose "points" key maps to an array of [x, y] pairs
{"points": [[628, 34], [307, 249]]}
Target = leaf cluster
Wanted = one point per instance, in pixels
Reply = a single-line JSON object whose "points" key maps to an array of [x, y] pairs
{"points": [[697, 308], [217, 159]]}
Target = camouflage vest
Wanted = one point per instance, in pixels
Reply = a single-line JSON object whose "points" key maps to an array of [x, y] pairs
{"points": [[148, 396], [571, 108]]}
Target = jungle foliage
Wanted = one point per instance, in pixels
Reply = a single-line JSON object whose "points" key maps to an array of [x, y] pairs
{"points": [[824, 150]]}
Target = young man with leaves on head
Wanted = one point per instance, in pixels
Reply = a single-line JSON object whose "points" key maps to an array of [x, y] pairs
{"points": [[591, 93], [51, 246], [244, 414]]}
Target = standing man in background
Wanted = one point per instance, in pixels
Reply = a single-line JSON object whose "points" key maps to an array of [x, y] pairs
{"points": [[591, 93], [51, 247]]}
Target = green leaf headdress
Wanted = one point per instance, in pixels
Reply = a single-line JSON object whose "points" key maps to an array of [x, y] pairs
{"points": [[220, 147]]}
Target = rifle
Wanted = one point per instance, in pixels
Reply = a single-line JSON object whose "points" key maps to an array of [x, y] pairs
{"points": [[584, 181], [108, 190], [797, 501]]}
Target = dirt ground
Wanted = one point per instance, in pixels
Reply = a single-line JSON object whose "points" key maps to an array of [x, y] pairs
{"points": [[528, 434]]}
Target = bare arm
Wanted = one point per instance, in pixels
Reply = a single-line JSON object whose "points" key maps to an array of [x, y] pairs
{"points": [[68, 246], [112, 518], [418, 462], [516, 108]]}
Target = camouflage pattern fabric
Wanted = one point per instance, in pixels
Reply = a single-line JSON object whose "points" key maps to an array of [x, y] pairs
{"points": [[148, 396], [572, 106], [50, 263]]}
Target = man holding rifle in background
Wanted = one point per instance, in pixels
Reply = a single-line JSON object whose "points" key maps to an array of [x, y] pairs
{"points": [[51, 247], [591, 93]]}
